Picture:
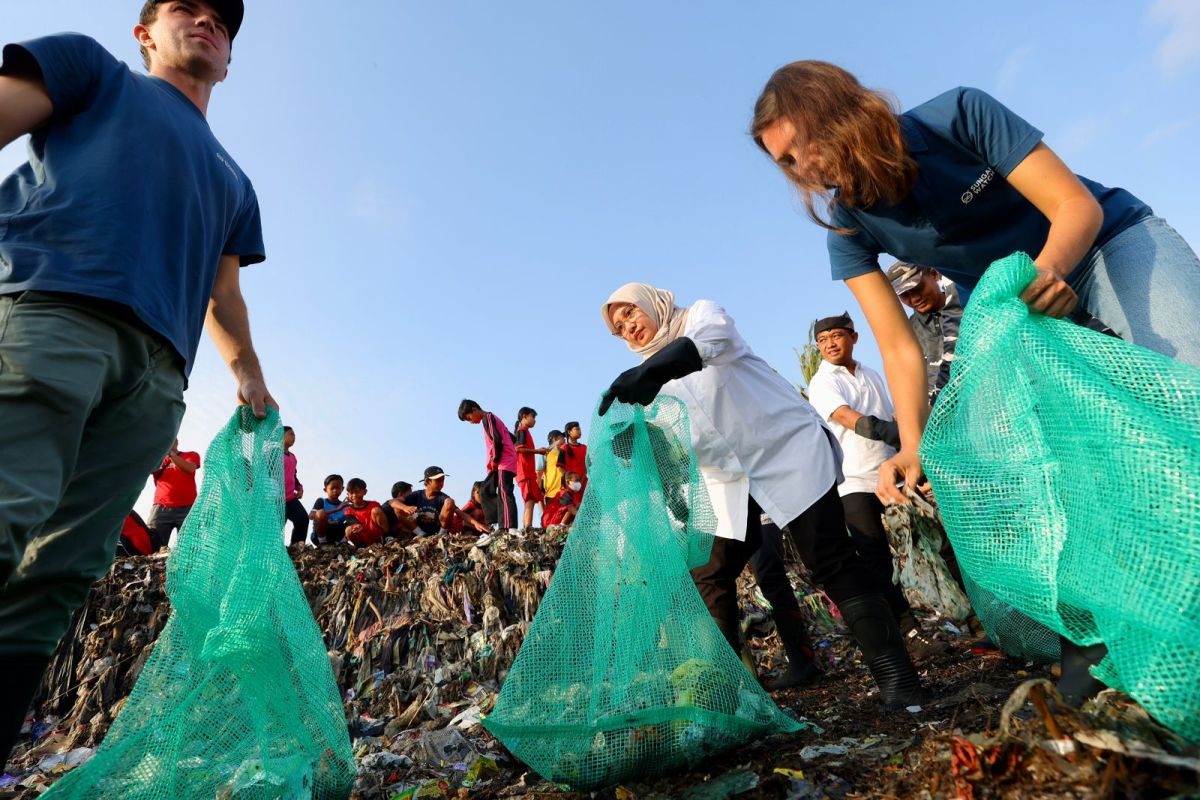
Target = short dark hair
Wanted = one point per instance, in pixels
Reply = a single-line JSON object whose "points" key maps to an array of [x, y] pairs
{"points": [[467, 407], [554, 434], [572, 424], [357, 483], [334, 477], [401, 487], [288, 429]]}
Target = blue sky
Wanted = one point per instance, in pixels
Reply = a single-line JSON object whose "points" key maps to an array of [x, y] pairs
{"points": [[449, 190]]}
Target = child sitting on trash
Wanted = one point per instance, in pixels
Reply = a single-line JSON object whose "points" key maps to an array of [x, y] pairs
{"points": [[436, 511], [329, 512], [562, 508], [365, 521]]}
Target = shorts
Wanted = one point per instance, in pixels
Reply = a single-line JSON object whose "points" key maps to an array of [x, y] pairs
{"points": [[336, 531], [530, 490]]}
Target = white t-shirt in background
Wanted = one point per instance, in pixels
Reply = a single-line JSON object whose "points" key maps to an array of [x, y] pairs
{"points": [[863, 391]]}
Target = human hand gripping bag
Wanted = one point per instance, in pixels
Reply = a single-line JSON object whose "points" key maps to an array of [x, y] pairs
{"points": [[624, 674], [237, 699], [1066, 464]]}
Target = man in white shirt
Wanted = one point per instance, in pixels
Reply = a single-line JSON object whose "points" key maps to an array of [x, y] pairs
{"points": [[854, 400]]}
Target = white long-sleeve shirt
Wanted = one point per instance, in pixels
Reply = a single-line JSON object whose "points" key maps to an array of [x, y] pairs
{"points": [[754, 434]]}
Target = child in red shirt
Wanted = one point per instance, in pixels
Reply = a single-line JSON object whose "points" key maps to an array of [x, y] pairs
{"points": [[365, 522], [562, 508], [575, 453], [527, 477]]}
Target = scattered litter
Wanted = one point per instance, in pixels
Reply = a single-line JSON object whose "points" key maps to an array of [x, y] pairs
{"points": [[728, 785]]}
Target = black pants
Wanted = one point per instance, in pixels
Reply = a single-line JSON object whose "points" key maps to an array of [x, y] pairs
{"points": [[864, 518], [506, 501], [295, 513], [770, 567], [819, 535], [163, 521]]}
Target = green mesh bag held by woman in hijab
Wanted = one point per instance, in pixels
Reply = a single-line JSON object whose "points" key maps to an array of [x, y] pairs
{"points": [[623, 673], [237, 699], [1067, 467]]}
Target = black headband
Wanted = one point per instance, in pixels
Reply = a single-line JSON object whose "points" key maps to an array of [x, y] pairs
{"points": [[829, 323]]}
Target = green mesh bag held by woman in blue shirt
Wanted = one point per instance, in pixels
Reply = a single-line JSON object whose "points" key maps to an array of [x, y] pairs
{"points": [[237, 699], [624, 673], [1067, 467]]}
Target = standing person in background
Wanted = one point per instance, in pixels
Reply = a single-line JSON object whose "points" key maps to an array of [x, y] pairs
{"points": [[501, 460], [123, 239], [293, 491], [937, 314], [852, 399], [576, 454], [555, 465], [527, 476], [174, 494]]}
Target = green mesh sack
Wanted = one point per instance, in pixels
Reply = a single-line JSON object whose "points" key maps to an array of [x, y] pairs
{"points": [[237, 700], [623, 673], [1067, 467]]}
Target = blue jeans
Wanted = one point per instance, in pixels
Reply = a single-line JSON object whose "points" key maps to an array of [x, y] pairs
{"points": [[1144, 283]]}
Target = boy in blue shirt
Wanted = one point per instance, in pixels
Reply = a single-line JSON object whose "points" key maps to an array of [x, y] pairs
{"points": [[120, 239]]}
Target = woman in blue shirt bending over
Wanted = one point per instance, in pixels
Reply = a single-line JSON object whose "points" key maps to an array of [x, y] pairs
{"points": [[957, 183]]}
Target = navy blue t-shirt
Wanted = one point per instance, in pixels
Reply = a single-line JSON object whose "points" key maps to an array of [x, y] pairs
{"points": [[429, 509], [127, 195], [962, 214]]}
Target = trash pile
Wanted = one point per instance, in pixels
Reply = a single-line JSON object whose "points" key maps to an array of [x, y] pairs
{"points": [[418, 634], [416, 679]]}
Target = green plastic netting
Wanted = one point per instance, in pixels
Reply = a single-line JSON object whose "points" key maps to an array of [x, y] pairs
{"points": [[624, 673], [237, 699], [1067, 467]]}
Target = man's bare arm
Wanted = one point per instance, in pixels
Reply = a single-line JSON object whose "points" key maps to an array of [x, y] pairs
{"points": [[228, 323]]}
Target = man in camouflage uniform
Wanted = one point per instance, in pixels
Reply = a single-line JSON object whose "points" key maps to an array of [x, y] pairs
{"points": [[937, 313]]}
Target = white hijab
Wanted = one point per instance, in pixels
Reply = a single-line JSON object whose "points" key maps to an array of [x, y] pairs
{"points": [[659, 305]]}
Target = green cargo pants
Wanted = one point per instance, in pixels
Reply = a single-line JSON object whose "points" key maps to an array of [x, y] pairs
{"points": [[89, 402]]}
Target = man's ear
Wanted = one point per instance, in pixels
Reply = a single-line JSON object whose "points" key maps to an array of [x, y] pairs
{"points": [[142, 34]]}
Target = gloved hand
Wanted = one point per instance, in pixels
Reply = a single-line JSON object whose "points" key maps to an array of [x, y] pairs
{"points": [[642, 383], [870, 427]]}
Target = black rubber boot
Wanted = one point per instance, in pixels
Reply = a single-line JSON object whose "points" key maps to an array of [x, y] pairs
{"points": [[802, 667], [1077, 684], [22, 676], [874, 627]]}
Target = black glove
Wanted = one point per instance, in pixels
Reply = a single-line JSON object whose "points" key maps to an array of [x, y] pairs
{"points": [[642, 383], [875, 428]]}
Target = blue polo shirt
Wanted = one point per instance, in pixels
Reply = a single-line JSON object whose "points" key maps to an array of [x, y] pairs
{"points": [[127, 195], [962, 214]]}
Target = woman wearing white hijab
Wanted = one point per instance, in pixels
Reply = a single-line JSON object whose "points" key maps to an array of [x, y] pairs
{"points": [[760, 446]]}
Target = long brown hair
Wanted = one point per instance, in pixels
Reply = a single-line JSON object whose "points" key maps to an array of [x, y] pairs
{"points": [[854, 129]]}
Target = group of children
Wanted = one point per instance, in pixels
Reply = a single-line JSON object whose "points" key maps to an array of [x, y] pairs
{"points": [[556, 485]]}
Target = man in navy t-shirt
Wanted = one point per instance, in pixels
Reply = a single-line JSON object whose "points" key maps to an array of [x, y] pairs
{"points": [[120, 239]]}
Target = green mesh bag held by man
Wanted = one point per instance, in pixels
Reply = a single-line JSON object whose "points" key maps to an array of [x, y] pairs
{"points": [[1067, 467], [623, 673], [238, 699]]}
